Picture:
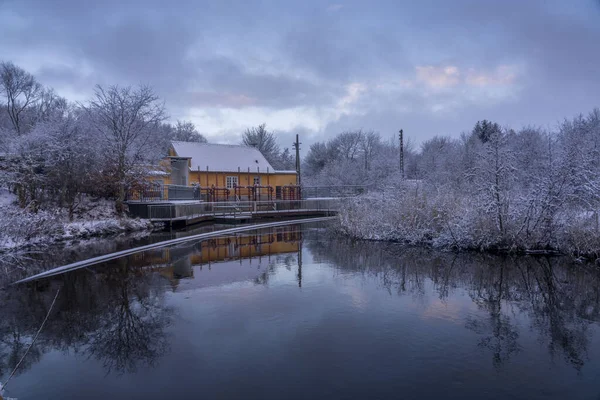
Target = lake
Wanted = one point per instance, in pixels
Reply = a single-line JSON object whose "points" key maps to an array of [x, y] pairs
{"points": [[297, 312]]}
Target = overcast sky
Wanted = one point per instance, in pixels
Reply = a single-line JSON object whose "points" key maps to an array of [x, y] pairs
{"points": [[316, 67]]}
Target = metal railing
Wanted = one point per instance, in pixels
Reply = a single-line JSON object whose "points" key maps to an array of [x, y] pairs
{"points": [[178, 192], [233, 209], [164, 193], [333, 191]]}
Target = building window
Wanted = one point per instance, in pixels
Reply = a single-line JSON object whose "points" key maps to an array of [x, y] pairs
{"points": [[232, 181], [256, 180]]}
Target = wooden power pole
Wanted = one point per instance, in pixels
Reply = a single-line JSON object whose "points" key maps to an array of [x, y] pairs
{"points": [[297, 147], [402, 152]]}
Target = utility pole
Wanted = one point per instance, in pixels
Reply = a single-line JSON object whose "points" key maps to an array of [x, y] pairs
{"points": [[296, 145], [402, 152]]}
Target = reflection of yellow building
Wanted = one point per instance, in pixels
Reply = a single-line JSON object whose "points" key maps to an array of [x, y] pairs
{"points": [[236, 247], [177, 262]]}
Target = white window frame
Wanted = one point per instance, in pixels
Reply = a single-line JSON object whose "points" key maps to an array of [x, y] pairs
{"points": [[231, 181], [256, 180]]}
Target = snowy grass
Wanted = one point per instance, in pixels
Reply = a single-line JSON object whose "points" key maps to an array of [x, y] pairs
{"points": [[93, 218]]}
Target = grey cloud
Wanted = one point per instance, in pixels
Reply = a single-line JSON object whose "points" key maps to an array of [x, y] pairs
{"points": [[68, 78], [135, 50], [227, 83], [336, 51], [196, 54]]}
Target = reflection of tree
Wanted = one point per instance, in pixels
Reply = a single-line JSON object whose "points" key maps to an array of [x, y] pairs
{"points": [[272, 264], [117, 316], [561, 309], [132, 330], [17, 329], [489, 290], [560, 300]]}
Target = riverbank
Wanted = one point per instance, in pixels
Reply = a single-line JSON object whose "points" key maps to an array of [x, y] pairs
{"points": [[22, 229], [414, 216]]}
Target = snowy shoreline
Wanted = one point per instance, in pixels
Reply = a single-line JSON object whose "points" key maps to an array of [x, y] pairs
{"points": [[22, 230], [452, 225], [76, 231]]}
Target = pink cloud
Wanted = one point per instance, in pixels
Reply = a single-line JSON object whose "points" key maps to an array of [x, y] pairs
{"points": [[438, 77], [449, 76], [503, 75]]}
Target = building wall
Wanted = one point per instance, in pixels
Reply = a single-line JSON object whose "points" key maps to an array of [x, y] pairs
{"points": [[164, 179], [219, 179]]}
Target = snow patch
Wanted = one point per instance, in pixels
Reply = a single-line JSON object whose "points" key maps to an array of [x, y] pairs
{"points": [[93, 218]]}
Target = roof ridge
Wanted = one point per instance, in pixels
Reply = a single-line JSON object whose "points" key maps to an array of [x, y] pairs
{"points": [[215, 144]]}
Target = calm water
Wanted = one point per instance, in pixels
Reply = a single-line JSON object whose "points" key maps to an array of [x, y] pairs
{"points": [[295, 313]]}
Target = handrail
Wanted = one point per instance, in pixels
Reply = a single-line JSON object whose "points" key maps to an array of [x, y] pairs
{"points": [[191, 210]]}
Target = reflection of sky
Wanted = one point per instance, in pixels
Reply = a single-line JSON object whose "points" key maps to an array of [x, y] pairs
{"points": [[340, 335]]}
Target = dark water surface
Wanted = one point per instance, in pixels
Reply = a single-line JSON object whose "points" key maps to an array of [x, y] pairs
{"points": [[296, 313]]}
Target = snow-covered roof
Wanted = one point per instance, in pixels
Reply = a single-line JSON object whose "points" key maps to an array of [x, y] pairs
{"points": [[222, 157]]}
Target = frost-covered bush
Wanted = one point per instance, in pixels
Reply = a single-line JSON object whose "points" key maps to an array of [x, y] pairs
{"points": [[493, 189]]}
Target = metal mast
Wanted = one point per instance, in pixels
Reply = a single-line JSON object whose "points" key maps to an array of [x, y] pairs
{"points": [[402, 152], [297, 147]]}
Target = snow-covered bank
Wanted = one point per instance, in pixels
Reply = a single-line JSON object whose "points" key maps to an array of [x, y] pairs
{"points": [[93, 218], [416, 216]]}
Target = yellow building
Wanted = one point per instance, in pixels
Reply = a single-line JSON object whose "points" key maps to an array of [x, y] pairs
{"points": [[224, 166]]}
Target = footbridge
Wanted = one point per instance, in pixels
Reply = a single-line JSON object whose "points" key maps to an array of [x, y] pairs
{"points": [[183, 213]]}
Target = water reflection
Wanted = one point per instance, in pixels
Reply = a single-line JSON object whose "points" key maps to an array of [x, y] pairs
{"points": [[117, 317], [117, 313], [561, 300], [123, 315]]}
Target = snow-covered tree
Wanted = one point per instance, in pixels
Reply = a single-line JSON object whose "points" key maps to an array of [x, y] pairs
{"points": [[20, 90], [185, 131], [266, 142], [128, 122], [494, 174]]}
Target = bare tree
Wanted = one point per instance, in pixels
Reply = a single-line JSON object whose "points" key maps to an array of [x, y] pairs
{"points": [[348, 144], [264, 141], [50, 105], [185, 131], [369, 143], [127, 120], [315, 159], [21, 91]]}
